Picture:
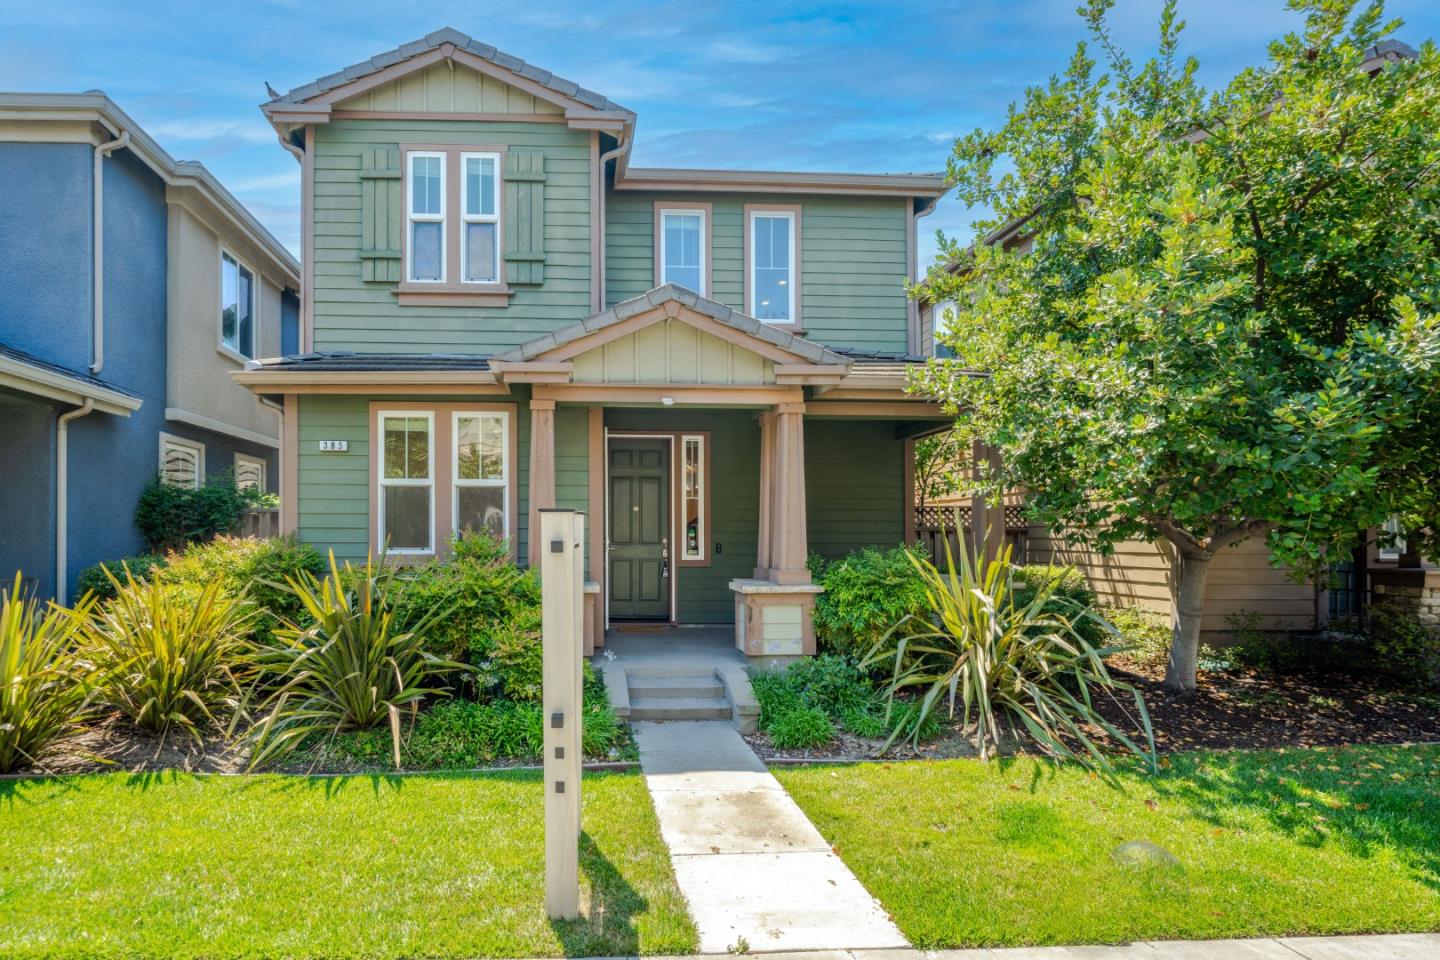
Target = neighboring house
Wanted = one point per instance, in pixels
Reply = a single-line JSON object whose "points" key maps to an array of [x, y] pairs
{"points": [[500, 314], [131, 285]]}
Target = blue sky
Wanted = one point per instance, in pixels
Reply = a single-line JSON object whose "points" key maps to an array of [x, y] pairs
{"points": [[759, 85]]}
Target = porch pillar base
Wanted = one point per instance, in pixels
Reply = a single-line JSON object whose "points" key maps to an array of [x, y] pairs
{"points": [[775, 619]]}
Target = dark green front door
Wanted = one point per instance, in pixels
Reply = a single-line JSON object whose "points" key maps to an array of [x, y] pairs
{"points": [[639, 529]]}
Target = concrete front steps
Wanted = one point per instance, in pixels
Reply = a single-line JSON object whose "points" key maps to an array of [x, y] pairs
{"points": [[657, 692]]}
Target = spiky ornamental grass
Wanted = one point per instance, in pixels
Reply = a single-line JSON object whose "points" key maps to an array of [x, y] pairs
{"points": [[44, 688]]}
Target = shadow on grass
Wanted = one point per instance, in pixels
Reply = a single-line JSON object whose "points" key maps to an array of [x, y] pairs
{"points": [[1365, 800], [606, 926]]}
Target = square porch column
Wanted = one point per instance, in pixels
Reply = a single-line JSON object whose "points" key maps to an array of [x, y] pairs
{"points": [[542, 469], [788, 542]]}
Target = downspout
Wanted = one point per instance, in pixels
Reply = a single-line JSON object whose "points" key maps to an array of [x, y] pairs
{"points": [[622, 143], [97, 265], [62, 496]]}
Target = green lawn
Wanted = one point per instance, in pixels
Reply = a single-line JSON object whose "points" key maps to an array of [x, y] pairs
{"points": [[1272, 842], [418, 866]]}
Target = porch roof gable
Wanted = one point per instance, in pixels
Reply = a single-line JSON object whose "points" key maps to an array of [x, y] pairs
{"points": [[672, 301]]}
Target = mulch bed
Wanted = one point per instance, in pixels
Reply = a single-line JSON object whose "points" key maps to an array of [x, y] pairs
{"points": [[1230, 710]]}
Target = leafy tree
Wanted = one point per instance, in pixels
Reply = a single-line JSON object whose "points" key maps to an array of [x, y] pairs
{"points": [[1213, 313], [940, 467]]}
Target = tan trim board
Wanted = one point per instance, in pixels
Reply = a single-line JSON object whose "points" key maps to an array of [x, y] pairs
{"points": [[707, 210], [290, 468], [307, 242], [533, 371], [809, 373], [596, 496], [910, 410], [796, 323], [774, 181], [680, 394], [275, 381], [597, 228], [447, 296], [439, 115]]}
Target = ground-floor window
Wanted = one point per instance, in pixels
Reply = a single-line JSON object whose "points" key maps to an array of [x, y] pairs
{"points": [[249, 473], [182, 462], [441, 469], [692, 496]]}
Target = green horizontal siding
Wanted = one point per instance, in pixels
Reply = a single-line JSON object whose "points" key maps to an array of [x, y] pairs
{"points": [[853, 501], [353, 315], [335, 487], [853, 261]]}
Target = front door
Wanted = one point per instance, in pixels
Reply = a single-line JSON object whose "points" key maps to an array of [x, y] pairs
{"points": [[640, 528]]}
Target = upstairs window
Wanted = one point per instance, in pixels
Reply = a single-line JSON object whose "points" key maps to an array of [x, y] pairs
{"points": [[426, 227], [480, 236], [237, 307], [771, 269], [683, 249]]}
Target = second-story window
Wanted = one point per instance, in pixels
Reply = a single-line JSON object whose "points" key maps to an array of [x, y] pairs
{"points": [[772, 274], [427, 217], [682, 249], [237, 307], [480, 236]]}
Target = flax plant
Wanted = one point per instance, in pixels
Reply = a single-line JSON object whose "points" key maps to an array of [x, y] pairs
{"points": [[350, 668], [990, 658], [169, 658], [44, 677]]}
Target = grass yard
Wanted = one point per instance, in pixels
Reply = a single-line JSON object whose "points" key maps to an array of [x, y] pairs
{"points": [[1299, 841], [176, 865]]}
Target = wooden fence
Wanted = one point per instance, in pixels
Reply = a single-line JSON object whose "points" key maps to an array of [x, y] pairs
{"points": [[936, 524], [261, 522]]}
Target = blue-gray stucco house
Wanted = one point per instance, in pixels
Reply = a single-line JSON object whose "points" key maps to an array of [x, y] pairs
{"points": [[118, 266]]}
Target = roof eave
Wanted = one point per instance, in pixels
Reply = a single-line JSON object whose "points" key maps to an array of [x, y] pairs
{"points": [[37, 381]]}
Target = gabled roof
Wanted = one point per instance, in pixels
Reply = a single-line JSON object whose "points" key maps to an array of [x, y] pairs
{"points": [[460, 42], [541, 348]]}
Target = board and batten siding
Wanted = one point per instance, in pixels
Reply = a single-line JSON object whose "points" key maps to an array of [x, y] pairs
{"points": [[852, 260], [1242, 581], [353, 314]]}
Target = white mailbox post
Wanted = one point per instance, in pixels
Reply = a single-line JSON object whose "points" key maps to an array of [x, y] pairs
{"points": [[560, 546]]}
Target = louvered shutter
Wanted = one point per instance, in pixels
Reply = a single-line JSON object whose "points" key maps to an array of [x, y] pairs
{"points": [[524, 217], [382, 214]]}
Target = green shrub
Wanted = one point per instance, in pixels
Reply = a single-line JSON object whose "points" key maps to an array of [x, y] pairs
{"points": [[864, 721], [94, 580], [1146, 632], [775, 694], [43, 676], [980, 650], [801, 728], [169, 517], [168, 658], [831, 684], [866, 593], [257, 569], [515, 666], [1404, 647], [352, 668], [1070, 594], [485, 595]]}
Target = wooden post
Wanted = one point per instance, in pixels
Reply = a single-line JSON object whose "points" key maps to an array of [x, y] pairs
{"points": [[542, 470], [559, 545]]}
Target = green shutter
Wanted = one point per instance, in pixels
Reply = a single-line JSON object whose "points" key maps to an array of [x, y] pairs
{"points": [[382, 214], [524, 216]]}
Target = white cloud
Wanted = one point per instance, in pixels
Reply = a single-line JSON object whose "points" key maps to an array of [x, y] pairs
{"points": [[198, 130], [269, 181], [743, 51]]}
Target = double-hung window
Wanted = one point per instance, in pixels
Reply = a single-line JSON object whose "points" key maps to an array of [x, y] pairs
{"points": [[407, 481], [426, 217], [683, 249], [771, 245], [480, 213], [481, 473], [237, 307]]}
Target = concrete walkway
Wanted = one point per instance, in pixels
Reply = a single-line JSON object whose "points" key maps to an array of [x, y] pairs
{"points": [[755, 871]]}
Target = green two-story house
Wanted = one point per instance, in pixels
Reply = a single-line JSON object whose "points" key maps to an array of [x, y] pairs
{"points": [[500, 314]]}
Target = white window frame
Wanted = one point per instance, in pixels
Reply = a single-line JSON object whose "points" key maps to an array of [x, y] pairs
{"points": [[382, 481], [792, 318], [412, 218], [700, 541], [467, 217], [225, 348], [704, 249], [455, 480], [1395, 552], [257, 462], [168, 440]]}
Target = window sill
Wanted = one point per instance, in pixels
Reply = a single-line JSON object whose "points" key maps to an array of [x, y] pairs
{"points": [[229, 354], [453, 295]]}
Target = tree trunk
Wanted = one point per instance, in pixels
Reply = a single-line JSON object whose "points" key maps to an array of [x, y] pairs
{"points": [[1194, 568]]}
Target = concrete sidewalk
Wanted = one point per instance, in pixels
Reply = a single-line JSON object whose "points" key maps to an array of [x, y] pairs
{"points": [[755, 872]]}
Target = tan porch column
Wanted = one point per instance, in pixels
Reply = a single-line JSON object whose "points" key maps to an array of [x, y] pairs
{"points": [[767, 493], [542, 468], [788, 543]]}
